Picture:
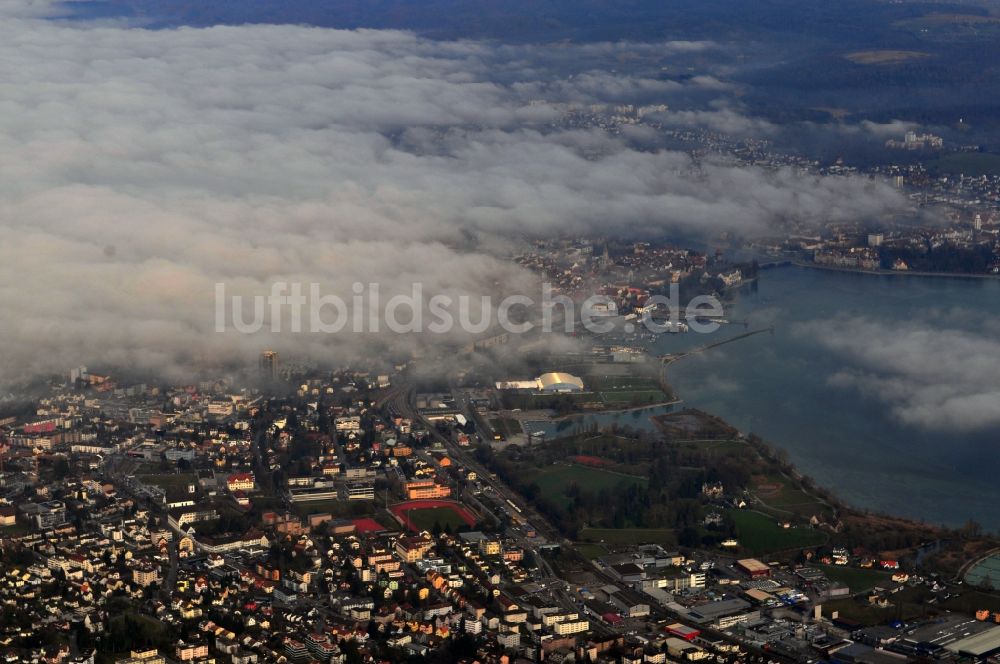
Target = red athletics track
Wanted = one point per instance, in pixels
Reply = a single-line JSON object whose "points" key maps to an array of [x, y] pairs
{"points": [[399, 510]]}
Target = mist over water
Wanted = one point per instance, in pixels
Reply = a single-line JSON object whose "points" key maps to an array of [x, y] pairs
{"points": [[881, 388], [884, 389]]}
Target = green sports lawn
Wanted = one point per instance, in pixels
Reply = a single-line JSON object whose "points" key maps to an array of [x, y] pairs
{"points": [[633, 396], [425, 519], [335, 508], [626, 382]]}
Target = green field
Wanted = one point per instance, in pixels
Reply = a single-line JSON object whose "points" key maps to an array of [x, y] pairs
{"points": [[621, 397], [720, 447], [444, 517], [554, 480], [786, 496], [336, 508], [760, 534], [663, 536], [606, 383], [856, 578], [623, 390], [788, 499]]}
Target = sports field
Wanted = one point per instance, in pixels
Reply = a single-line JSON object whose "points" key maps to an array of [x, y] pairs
{"points": [[624, 397], [419, 515]]}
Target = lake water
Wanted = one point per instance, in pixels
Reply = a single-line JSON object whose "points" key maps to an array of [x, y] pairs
{"points": [[843, 386], [638, 419]]}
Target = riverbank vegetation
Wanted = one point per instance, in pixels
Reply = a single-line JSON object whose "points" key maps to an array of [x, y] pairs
{"points": [[696, 482]]}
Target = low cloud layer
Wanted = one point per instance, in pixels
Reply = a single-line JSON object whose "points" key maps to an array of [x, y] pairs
{"points": [[143, 167], [931, 376]]}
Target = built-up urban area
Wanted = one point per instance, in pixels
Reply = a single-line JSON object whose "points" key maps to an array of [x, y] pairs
{"points": [[952, 225], [359, 516], [369, 515]]}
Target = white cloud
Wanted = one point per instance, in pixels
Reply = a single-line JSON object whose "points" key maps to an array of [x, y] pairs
{"points": [[891, 129], [142, 167], [28, 8], [930, 376]]}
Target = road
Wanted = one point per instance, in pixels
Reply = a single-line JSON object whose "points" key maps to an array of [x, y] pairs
{"points": [[170, 581], [401, 400]]}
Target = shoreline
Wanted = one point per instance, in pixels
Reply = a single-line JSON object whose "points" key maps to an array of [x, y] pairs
{"points": [[526, 417], [821, 493], [893, 273], [615, 411], [832, 496]]}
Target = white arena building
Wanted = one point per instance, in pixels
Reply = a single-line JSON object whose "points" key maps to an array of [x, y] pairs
{"points": [[552, 382]]}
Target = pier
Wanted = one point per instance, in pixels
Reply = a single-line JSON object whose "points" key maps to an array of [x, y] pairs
{"points": [[673, 357]]}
